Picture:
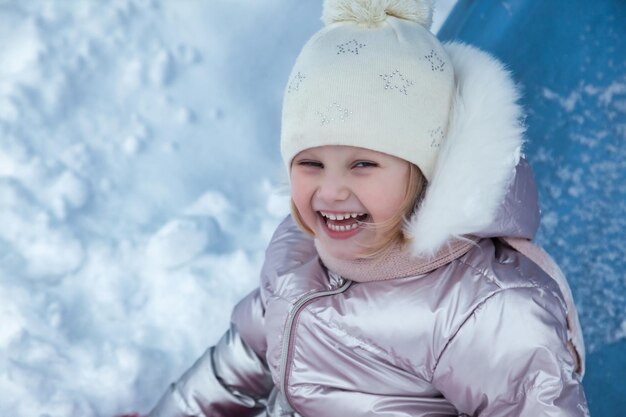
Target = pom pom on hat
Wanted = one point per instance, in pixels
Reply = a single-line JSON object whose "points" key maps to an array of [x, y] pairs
{"points": [[373, 12]]}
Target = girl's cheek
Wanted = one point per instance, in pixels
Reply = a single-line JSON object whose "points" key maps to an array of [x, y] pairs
{"points": [[301, 199]]}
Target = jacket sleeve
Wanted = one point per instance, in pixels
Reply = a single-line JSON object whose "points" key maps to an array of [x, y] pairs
{"points": [[510, 358], [230, 378]]}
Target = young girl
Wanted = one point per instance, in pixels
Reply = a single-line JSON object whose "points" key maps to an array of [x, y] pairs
{"points": [[404, 283]]}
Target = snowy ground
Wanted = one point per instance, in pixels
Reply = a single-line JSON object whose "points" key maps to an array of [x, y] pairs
{"points": [[140, 180], [139, 183]]}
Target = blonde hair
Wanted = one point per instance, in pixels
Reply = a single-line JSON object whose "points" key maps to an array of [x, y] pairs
{"points": [[390, 230]]}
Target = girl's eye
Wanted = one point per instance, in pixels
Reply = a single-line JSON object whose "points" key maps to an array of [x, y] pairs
{"points": [[364, 164], [310, 163]]}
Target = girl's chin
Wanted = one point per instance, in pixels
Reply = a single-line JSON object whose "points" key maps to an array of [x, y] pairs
{"points": [[341, 251], [347, 249]]}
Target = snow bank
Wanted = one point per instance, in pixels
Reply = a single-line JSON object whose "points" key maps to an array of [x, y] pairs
{"points": [[139, 179]]}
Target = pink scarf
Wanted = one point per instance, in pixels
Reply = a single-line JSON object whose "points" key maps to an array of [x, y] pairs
{"points": [[395, 262]]}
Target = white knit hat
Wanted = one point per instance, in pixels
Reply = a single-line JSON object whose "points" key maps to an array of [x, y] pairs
{"points": [[373, 77]]}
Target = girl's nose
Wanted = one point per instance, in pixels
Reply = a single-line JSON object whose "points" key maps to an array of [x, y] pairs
{"points": [[333, 189]]}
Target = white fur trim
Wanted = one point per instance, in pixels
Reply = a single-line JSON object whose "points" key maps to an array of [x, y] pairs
{"points": [[373, 12], [477, 161]]}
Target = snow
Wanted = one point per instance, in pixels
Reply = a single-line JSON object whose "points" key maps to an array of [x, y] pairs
{"points": [[583, 214], [139, 184], [140, 181]]}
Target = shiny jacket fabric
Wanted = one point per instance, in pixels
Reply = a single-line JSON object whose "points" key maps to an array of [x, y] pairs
{"points": [[484, 335]]}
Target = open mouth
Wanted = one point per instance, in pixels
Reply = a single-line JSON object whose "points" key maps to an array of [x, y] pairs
{"points": [[343, 222]]}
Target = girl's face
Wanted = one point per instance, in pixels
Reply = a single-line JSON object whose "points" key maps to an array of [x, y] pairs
{"points": [[338, 188]]}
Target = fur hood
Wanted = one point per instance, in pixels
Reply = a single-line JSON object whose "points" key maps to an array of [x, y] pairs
{"points": [[474, 184], [481, 185]]}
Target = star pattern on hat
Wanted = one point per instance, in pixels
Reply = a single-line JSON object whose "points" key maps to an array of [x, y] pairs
{"points": [[437, 137], [350, 47], [436, 63], [396, 81], [334, 112], [294, 85]]}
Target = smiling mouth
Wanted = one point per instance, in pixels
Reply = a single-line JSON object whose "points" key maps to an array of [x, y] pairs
{"points": [[343, 222]]}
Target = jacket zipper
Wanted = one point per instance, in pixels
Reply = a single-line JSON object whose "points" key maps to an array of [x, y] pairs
{"points": [[293, 313]]}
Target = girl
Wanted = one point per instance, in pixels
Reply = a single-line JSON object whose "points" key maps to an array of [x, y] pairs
{"points": [[404, 283]]}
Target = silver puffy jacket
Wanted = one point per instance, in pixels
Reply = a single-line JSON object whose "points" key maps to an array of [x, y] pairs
{"points": [[486, 335]]}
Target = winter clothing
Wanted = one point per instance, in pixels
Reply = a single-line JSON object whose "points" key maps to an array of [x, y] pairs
{"points": [[395, 262], [482, 331], [484, 116], [477, 161], [367, 76], [486, 334]]}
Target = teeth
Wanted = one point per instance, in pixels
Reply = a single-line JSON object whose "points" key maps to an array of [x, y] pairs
{"points": [[344, 216], [342, 228]]}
